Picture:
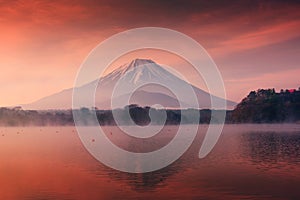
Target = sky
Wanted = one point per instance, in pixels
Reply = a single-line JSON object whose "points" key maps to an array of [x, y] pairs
{"points": [[255, 44]]}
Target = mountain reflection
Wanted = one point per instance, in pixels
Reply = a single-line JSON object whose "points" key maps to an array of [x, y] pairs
{"points": [[142, 182]]}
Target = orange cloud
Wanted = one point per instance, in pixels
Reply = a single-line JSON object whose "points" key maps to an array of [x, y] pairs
{"points": [[267, 36], [44, 42]]}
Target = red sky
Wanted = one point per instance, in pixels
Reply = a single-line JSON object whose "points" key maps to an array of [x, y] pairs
{"points": [[255, 44]]}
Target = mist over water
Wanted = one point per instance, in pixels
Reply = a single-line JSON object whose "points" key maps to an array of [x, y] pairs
{"points": [[248, 162]]}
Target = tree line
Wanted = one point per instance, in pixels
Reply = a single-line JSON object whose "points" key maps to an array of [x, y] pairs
{"points": [[261, 106], [130, 115]]}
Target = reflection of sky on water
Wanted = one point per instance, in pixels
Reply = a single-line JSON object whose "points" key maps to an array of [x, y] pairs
{"points": [[254, 162]]}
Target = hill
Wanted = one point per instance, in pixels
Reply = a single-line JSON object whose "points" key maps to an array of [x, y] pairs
{"points": [[267, 106]]}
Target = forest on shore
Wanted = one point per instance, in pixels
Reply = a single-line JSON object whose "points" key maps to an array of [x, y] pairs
{"points": [[261, 106], [268, 106]]}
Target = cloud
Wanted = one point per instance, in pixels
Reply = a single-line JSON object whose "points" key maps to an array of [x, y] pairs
{"points": [[272, 34], [48, 39]]}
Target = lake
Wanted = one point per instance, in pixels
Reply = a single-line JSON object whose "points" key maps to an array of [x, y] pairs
{"points": [[248, 162]]}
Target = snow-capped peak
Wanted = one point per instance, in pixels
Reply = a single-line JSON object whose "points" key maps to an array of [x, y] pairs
{"points": [[145, 69], [139, 62]]}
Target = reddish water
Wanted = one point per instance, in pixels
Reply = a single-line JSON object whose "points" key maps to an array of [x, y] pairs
{"points": [[248, 162]]}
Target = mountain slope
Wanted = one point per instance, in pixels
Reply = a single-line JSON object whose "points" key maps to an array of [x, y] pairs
{"points": [[137, 72]]}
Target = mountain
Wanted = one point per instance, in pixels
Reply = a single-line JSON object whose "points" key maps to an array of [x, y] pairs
{"points": [[137, 72]]}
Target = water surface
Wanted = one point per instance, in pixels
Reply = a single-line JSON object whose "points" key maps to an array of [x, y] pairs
{"points": [[248, 162]]}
